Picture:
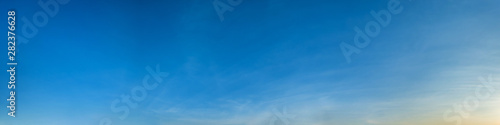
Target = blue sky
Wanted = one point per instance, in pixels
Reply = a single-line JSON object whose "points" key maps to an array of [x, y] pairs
{"points": [[265, 55]]}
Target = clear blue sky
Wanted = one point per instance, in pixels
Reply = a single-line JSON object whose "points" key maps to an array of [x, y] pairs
{"points": [[264, 55]]}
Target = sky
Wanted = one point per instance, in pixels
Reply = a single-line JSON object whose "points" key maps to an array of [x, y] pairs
{"points": [[268, 62]]}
